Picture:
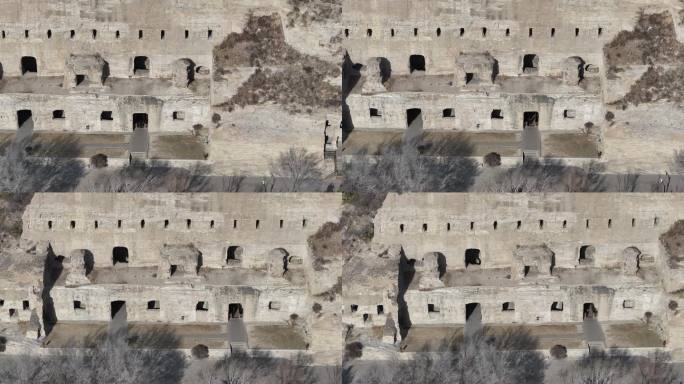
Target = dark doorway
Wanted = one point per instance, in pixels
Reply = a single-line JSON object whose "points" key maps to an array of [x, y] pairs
{"points": [[530, 119], [81, 79], [586, 253], [414, 118], [28, 65], [472, 257], [530, 64], [139, 120], [234, 253], [590, 311], [24, 116], [119, 255], [141, 65], [116, 307], [417, 63], [235, 311], [472, 309]]}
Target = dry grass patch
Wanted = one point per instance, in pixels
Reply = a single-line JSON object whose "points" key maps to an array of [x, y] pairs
{"points": [[284, 76]]}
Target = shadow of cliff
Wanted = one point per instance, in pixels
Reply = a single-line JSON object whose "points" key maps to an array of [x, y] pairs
{"points": [[406, 273], [52, 269]]}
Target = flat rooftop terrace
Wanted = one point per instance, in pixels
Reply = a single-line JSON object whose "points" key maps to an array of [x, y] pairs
{"points": [[571, 335], [52, 85], [208, 276], [177, 336], [443, 84], [500, 277]]}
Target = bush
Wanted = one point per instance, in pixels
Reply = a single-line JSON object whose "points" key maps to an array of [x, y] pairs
{"points": [[215, 118], [673, 305], [317, 307], [492, 159], [559, 351], [610, 116], [98, 161], [200, 351]]}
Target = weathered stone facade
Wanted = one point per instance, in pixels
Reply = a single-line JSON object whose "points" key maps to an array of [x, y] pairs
{"points": [[532, 259]]}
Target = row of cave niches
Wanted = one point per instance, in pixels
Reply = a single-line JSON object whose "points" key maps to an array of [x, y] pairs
{"points": [[116, 35], [480, 32], [166, 224], [589, 310], [118, 308], [403, 228], [141, 67], [233, 257], [14, 312], [472, 258]]}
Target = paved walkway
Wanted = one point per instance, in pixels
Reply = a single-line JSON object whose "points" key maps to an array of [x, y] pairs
{"points": [[237, 333]]}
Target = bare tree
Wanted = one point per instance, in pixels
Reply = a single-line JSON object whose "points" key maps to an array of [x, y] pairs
{"points": [[140, 176], [502, 358], [657, 368], [258, 367], [232, 183], [297, 166], [528, 176], [589, 178], [677, 166], [21, 173], [297, 370], [627, 182], [618, 366], [111, 359], [420, 165], [238, 368]]}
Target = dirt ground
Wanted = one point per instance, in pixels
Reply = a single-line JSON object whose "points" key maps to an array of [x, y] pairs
{"points": [[61, 144], [569, 145], [631, 335], [275, 337], [185, 147], [189, 335]]}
